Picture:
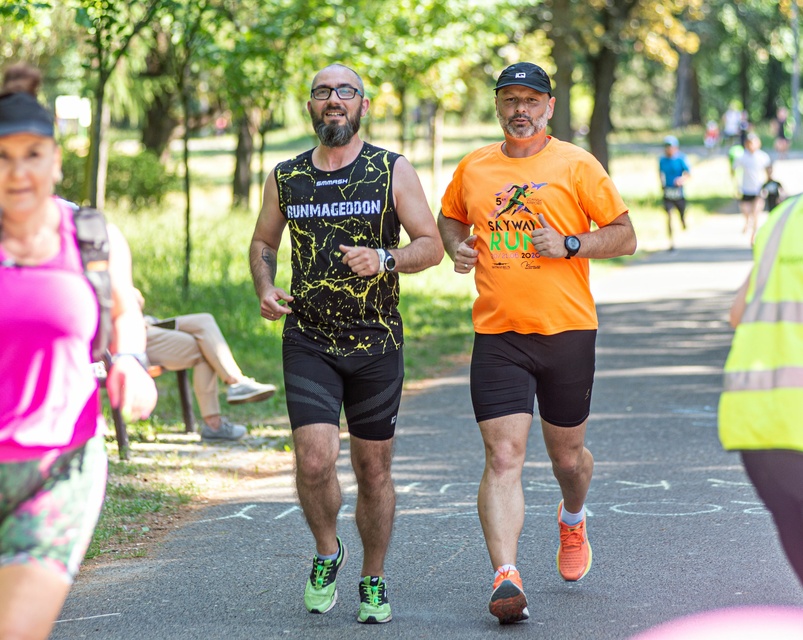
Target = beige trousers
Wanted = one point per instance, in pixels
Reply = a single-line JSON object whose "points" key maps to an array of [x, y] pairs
{"points": [[195, 343]]}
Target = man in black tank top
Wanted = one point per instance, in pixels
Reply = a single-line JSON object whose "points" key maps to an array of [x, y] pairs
{"points": [[345, 203]]}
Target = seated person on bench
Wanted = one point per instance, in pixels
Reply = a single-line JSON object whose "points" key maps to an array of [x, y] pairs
{"points": [[195, 341]]}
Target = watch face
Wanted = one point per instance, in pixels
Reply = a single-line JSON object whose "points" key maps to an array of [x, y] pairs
{"points": [[572, 243], [390, 262]]}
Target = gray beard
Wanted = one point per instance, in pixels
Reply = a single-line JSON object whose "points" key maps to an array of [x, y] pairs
{"points": [[536, 126], [336, 135]]}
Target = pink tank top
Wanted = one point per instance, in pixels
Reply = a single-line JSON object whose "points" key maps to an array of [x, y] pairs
{"points": [[48, 315]]}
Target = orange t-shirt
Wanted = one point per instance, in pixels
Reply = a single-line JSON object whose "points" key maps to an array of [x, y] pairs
{"points": [[519, 290]]}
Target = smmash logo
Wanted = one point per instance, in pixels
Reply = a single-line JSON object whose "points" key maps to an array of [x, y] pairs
{"points": [[512, 199], [335, 181]]}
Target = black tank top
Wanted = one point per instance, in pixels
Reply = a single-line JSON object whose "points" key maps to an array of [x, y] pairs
{"points": [[335, 310]]}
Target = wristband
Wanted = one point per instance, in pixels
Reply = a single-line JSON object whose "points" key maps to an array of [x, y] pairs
{"points": [[382, 257], [141, 358]]}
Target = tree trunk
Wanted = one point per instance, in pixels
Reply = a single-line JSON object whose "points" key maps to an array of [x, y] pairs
{"points": [[95, 139], [103, 156], [562, 47], [436, 146], [776, 77], [159, 125], [681, 114], [402, 120], [185, 104], [744, 80], [696, 101], [241, 187], [604, 70]]}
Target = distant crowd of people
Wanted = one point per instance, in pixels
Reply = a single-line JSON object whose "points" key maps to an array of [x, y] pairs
{"points": [[751, 168]]}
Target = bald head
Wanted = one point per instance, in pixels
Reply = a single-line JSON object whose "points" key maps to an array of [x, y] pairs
{"points": [[337, 74]]}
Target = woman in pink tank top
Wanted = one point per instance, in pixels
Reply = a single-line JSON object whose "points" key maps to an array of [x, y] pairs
{"points": [[52, 451]]}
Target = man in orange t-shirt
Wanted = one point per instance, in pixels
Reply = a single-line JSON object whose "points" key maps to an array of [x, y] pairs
{"points": [[520, 212]]}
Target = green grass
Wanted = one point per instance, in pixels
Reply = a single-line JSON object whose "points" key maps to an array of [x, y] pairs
{"points": [[133, 508], [435, 305]]}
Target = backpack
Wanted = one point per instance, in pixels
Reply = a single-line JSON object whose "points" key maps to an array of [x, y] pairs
{"points": [[93, 245]]}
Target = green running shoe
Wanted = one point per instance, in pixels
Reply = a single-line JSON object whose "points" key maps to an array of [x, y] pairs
{"points": [[320, 594], [374, 605]]}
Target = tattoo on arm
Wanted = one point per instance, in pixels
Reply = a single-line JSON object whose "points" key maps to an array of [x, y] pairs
{"points": [[269, 258]]}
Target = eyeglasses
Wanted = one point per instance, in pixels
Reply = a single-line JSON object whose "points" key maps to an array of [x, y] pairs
{"points": [[345, 92]]}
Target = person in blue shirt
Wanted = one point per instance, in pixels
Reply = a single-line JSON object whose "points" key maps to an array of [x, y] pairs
{"points": [[674, 170]]}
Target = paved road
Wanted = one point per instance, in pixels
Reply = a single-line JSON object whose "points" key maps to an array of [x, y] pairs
{"points": [[675, 526]]}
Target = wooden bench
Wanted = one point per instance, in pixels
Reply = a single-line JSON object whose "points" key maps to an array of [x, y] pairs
{"points": [[185, 393]]}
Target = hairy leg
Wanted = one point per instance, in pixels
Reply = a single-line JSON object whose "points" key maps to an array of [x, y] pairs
{"points": [[376, 500], [572, 463], [316, 448], [500, 500]]}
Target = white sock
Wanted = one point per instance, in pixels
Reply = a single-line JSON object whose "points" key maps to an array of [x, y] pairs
{"points": [[503, 568], [572, 519]]}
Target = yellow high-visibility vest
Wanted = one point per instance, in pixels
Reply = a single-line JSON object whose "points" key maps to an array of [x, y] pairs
{"points": [[761, 406]]}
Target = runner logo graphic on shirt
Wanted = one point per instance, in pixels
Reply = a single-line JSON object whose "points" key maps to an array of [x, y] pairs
{"points": [[510, 237], [512, 198]]}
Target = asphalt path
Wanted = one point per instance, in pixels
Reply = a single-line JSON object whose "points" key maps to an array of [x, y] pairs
{"points": [[675, 526]]}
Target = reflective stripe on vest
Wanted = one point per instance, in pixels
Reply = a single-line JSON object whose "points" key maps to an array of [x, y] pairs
{"points": [[779, 312], [789, 377]]}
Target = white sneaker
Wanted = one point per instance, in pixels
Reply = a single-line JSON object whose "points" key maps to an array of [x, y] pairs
{"points": [[249, 390], [227, 431]]}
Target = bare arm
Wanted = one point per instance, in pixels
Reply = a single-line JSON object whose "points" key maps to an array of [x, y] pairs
{"points": [[425, 248], [263, 254], [739, 303], [458, 243], [129, 386], [615, 239]]}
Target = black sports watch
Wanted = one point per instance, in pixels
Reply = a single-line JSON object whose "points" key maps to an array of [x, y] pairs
{"points": [[572, 244], [390, 261], [386, 261]]}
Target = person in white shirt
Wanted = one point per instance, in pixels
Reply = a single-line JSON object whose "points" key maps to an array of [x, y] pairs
{"points": [[754, 163]]}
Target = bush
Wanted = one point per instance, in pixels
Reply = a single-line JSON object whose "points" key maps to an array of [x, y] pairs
{"points": [[72, 186], [140, 180]]}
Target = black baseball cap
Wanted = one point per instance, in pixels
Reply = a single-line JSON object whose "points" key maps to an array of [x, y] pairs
{"points": [[526, 74], [22, 113]]}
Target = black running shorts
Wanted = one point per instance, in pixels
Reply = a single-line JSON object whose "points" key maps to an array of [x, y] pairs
{"points": [[510, 370], [368, 388]]}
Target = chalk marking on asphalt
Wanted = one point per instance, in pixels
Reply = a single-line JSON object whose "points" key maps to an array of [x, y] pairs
{"points": [[409, 487], [727, 483], [239, 514], [666, 508], [446, 487], [757, 508], [623, 508], [287, 512], [103, 615], [644, 485]]}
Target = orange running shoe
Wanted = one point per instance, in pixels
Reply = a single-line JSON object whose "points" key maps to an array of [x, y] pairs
{"points": [[508, 602], [574, 552]]}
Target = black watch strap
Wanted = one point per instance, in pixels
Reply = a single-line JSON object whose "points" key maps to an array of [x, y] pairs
{"points": [[572, 246]]}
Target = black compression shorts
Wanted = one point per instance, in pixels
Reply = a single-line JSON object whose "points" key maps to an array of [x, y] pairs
{"points": [[509, 370], [368, 388]]}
